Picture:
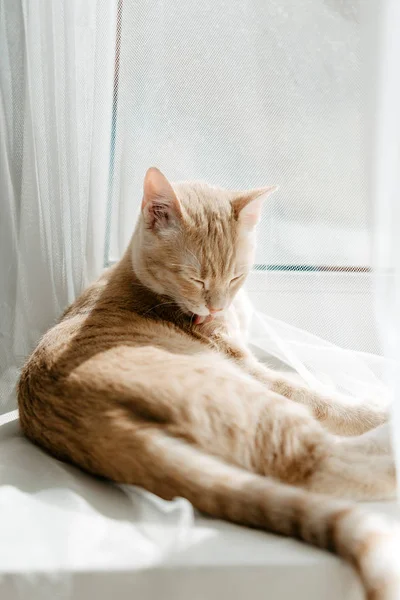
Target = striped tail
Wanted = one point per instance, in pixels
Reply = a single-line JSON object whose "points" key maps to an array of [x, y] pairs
{"points": [[170, 467], [368, 541]]}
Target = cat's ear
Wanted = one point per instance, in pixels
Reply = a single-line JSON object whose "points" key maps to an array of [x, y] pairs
{"points": [[161, 208], [247, 205]]}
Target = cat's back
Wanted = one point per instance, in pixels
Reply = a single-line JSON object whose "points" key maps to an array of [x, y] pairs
{"points": [[92, 318], [104, 317]]}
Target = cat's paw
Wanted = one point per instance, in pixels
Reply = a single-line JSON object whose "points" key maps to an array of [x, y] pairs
{"points": [[376, 415]]}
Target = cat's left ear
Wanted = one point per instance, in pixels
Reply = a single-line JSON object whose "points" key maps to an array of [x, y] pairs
{"points": [[247, 205]]}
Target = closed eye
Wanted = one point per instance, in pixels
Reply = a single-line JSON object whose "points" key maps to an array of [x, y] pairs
{"points": [[197, 281], [236, 278]]}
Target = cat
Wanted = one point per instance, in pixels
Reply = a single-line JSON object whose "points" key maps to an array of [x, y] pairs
{"points": [[147, 379]]}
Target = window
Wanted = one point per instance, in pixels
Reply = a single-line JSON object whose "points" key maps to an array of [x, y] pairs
{"points": [[256, 94]]}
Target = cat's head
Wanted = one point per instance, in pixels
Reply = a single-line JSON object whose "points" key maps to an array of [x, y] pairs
{"points": [[194, 243]]}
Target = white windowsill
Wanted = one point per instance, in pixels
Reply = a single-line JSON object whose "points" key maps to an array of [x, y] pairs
{"points": [[216, 559]]}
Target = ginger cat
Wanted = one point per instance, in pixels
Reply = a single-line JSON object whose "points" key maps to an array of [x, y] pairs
{"points": [[147, 380]]}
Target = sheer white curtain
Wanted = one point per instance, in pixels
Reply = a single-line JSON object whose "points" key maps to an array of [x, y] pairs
{"points": [[56, 88], [249, 93], [385, 192]]}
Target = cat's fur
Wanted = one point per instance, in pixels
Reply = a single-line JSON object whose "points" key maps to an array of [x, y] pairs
{"points": [[141, 384]]}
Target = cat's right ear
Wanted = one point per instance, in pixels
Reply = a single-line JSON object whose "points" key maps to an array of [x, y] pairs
{"points": [[161, 208], [247, 205]]}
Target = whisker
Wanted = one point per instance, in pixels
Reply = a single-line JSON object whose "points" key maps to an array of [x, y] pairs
{"points": [[157, 306], [194, 256]]}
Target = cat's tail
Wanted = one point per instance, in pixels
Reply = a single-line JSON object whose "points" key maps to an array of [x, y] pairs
{"points": [[170, 467]]}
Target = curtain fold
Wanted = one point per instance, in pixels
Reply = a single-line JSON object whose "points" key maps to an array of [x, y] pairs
{"points": [[385, 193], [56, 85]]}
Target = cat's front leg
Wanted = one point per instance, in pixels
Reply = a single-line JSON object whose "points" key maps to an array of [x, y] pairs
{"points": [[337, 413]]}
